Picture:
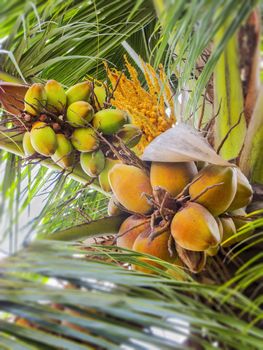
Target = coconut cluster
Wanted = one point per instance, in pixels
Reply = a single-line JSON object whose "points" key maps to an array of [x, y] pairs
{"points": [[179, 212], [73, 127]]}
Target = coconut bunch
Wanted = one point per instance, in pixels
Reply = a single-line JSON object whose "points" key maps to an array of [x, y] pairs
{"points": [[180, 212], [73, 127]]}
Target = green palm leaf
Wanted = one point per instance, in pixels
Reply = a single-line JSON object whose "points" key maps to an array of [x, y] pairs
{"points": [[68, 40], [112, 306], [189, 29]]}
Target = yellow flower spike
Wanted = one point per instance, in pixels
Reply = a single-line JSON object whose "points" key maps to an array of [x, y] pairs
{"points": [[132, 71], [147, 108]]}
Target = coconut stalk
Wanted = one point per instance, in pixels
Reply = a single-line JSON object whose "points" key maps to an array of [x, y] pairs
{"points": [[228, 99], [97, 228]]}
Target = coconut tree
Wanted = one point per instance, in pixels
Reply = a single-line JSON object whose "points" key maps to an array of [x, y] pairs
{"points": [[66, 286]]}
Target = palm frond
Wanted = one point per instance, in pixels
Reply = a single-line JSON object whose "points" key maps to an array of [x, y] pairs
{"points": [[88, 303], [189, 29], [66, 40]]}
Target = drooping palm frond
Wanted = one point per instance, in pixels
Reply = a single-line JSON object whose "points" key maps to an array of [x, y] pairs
{"points": [[66, 40], [88, 303]]}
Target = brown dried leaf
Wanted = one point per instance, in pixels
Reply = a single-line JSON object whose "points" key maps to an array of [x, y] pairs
{"points": [[12, 97]]}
